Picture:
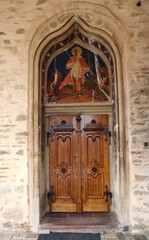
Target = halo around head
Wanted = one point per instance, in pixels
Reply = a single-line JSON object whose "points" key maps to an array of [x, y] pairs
{"points": [[79, 51]]}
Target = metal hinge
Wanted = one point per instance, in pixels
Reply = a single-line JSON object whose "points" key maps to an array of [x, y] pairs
{"points": [[51, 133], [107, 133], [48, 135], [51, 195], [107, 194]]}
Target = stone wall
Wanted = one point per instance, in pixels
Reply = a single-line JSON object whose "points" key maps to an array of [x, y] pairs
{"points": [[19, 22]]}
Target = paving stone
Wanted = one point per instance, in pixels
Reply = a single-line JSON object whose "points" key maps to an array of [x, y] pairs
{"points": [[5, 236], [112, 238], [44, 231], [31, 235], [121, 236], [139, 237], [19, 236], [103, 237], [128, 235], [110, 235], [31, 238]]}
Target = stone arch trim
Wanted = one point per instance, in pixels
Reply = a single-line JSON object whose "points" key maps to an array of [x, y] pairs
{"points": [[36, 54]]}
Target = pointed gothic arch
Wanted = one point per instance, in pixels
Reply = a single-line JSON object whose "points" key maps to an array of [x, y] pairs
{"points": [[38, 60]]}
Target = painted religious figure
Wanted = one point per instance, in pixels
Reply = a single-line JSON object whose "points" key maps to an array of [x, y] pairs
{"points": [[78, 75], [78, 68]]}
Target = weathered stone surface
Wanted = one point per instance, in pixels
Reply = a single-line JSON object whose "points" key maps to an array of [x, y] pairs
{"points": [[21, 117], [31, 235], [2, 152], [110, 235], [7, 41], [53, 24], [5, 236], [2, 62], [140, 237], [127, 25], [23, 134], [20, 152], [17, 213], [142, 34], [20, 31], [141, 178], [141, 193], [2, 33], [127, 235], [19, 236], [121, 236], [5, 189], [99, 21], [41, 2]]}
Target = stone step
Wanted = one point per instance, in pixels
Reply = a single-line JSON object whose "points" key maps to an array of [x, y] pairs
{"points": [[81, 228]]}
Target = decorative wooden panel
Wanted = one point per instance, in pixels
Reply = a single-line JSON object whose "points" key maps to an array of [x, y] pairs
{"points": [[62, 175], [64, 185], [95, 160], [94, 185], [64, 150], [79, 163], [94, 150]]}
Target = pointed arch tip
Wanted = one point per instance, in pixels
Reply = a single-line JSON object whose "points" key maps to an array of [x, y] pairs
{"points": [[75, 20]]}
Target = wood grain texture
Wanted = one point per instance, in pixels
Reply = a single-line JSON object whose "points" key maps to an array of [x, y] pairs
{"points": [[95, 165], [64, 207], [79, 164], [62, 174]]}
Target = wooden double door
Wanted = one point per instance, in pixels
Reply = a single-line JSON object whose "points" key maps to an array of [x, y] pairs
{"points": [[79, 163]]}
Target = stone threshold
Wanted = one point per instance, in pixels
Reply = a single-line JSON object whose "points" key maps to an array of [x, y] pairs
{"points": [[80, 223]]}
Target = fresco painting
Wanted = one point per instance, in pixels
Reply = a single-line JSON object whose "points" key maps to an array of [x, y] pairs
{"points": [[78, 75]]}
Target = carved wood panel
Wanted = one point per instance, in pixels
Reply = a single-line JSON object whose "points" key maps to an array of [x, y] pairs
{"points": [[79, 163], [64, 150], [94, 185], [95, 163], [94, 145], [62, 174]]}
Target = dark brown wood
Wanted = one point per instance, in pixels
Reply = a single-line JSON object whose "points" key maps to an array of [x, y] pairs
{"points": [[93, 126], [79, 163], [64, 126]]}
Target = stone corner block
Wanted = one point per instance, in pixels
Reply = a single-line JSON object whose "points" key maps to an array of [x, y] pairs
{"points": [[32, 236], [110, 235], [103, 238], [43, 231]]}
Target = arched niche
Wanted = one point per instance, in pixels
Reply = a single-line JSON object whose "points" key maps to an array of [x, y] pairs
{"points": [[97, 65], [39, 62]]}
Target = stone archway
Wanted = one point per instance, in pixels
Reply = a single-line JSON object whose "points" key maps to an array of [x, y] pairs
{"points": [[37, 54]]}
